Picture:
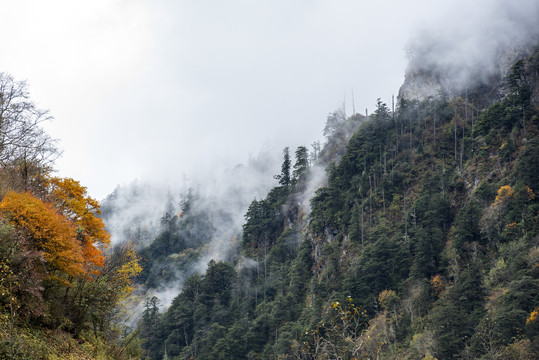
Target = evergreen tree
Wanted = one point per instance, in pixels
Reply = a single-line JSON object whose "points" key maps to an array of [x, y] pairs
{"points": [[284, 176], [301, 166], [148, 328]]}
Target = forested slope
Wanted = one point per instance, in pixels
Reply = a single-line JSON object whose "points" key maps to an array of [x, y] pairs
{"points": [[422, 243], [411, 233]]}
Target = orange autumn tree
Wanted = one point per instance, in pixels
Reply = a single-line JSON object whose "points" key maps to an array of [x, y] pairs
{"points": [[72, 200], [66, 228], [48, 231]]}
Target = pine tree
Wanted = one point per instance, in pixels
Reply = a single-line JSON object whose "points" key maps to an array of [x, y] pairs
{"points": [[284, 176], [301, 166]]}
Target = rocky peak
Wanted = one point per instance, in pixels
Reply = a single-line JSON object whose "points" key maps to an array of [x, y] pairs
{"points": [[439, 64]]}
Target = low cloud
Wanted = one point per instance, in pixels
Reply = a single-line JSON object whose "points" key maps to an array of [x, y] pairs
{"points": [[470, 45]]}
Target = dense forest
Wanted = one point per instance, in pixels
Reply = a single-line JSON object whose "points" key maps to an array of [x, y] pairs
{"points": [[421, 243], [411, 233]]}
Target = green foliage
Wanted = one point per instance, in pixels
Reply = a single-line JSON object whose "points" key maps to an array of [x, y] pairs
{"points": [[428, 220], [527, 169], [264, 221], [513, 110], [383, 264], [455, 316], [301, 166], [517, 303], [284, 177], [465, 229], [180, 236], [432, 216], [60, 293], [217, 283], [338, 336]]}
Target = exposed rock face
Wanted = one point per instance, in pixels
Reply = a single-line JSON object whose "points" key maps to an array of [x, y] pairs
{"points": [[471, 50], [420, 84], [532, 73], [428, 76], [506, 62]]}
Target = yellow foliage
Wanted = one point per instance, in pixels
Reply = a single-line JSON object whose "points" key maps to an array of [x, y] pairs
{"points": [[49, 231], [127, 272], [71, 198], [504, 192], [533, 316], [437, 283], [121, 268], [530, 193], [385, 297], [66, 229], [510, 228]]}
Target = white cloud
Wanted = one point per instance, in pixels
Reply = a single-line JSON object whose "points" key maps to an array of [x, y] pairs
{"points": [[145, 88]]}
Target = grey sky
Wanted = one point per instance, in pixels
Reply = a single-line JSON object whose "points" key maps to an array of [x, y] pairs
{"points": [[143, 89]]}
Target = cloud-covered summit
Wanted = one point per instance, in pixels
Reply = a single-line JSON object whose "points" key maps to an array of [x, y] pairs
{"points": [[471, 45]]}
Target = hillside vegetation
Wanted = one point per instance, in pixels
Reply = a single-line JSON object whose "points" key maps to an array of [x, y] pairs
{"points": [[422, 243], [60, 286], [412, 233]]}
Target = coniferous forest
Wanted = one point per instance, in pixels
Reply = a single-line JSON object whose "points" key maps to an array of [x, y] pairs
{"points": [[410, 233]]}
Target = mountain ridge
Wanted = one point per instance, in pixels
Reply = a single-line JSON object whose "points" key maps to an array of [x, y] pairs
{"points": [[421, 243]]}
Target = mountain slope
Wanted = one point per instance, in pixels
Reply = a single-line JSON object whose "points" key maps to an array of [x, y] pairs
{"points": [[422, 243]]}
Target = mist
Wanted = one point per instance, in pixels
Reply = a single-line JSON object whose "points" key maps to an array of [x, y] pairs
{"points": [[177, 94], [473, 44], [135, 212]]}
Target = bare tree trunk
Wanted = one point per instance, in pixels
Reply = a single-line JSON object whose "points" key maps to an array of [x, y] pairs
{"points": [[524, 120], [461, 154], [434, 120], [466, 106], [472, 134], [395, 122], [353, 103], [383, 199], [370, 201], [385, 162], [404, 216], [362, 225], [258, 277], [265, 265], [411, 134], [443, 180], [455, 127]]}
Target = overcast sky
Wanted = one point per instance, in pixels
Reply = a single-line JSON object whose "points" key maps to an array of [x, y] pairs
{"points": [[143, 89]]}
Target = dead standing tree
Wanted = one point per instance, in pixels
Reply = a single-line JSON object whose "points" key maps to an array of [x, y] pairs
{"points": [[24, 145]]}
